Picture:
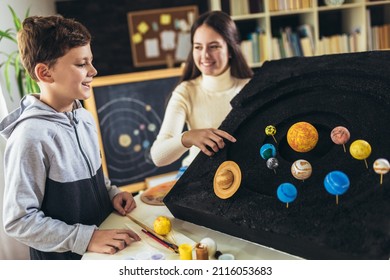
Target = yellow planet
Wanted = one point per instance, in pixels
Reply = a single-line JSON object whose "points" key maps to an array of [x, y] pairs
{"points": [[302, 137], [162, 225], [124, 140], [360, 149]]}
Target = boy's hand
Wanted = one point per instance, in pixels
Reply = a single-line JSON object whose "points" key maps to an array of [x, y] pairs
{"points": [[111, 241], [123, 203]]}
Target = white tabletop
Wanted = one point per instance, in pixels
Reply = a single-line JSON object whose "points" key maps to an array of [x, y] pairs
{"points": [[182, 232]]}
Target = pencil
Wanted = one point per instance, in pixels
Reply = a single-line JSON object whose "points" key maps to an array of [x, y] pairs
{"points": [[162, 242]]}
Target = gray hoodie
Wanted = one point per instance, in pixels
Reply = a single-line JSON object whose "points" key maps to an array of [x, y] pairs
{"points": [[55, 194]]}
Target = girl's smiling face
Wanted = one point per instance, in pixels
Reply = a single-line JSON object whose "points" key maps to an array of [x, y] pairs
{"points": [[210, 51]]}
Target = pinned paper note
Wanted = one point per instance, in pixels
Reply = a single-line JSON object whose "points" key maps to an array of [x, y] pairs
{"points": [[143, 27], [168, 40], [137, 38], [155, 26], [183, 26], [191, 18], [165, 19], [183, 46], [151, 48]]}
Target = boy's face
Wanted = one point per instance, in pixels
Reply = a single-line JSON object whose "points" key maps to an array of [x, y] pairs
{"points": [[72, 75]]}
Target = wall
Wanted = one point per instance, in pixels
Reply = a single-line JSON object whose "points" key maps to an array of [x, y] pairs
{"points": [[11, 249], [107, 22], [42, 7]]}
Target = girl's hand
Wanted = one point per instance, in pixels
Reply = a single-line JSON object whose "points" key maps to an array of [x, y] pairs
{"points": [[208, 140]]}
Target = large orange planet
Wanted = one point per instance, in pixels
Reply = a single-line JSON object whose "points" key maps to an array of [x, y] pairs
{"points": [[302, 137]]}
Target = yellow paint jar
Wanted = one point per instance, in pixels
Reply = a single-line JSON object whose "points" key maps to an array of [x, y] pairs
{"points": [[185, 252]]}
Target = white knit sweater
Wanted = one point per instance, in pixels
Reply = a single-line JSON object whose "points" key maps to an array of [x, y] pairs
{"points": [[200, 103]]}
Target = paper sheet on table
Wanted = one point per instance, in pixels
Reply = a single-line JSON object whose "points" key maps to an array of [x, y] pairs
{"points": [[150, 244]]}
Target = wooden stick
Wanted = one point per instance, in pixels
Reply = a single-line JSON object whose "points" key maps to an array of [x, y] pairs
{"points": [[145, 227]]}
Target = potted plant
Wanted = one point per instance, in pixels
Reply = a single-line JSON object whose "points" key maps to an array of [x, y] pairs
{"points": [[12, 60]]}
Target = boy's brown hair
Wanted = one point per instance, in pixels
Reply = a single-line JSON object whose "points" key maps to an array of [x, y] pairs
{"points": [[43, 39]]}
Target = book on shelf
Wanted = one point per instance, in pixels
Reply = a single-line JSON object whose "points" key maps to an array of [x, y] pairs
{"points": [[264, 49], [295, 44], [276, 51], [259, 48], [247, 50], [256, 6], [254, 38], [286, 42], [369, 31], [306, 31], [286, 5], [306, 47], [341, 43], [239, 7]]}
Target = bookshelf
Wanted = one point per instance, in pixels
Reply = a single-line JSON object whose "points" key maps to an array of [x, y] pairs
{"points": [[274, 29]]}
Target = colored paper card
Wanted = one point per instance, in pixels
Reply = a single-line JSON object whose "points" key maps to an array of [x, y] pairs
{"points": [[143, 27], [165, 19], [155, 26], [137, 38]]}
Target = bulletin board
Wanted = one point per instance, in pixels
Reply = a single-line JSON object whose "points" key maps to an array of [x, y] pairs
{"points": [[161, 36], [129, 109]]}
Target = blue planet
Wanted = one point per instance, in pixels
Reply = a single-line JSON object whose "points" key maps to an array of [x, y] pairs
{"points": [[267, 151], [336, 182], [287, 192]]}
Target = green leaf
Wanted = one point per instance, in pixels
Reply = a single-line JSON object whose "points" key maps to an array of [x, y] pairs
{"points": [[15, 18], [33, 86], [6, 74], [21, 84], [27, 12], [12, 59], [7, 34]]}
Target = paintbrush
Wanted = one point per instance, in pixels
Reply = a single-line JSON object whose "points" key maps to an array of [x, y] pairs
{"points": [[162, 242]]}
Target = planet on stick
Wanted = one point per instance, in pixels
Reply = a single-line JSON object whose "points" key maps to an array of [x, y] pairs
{"points": [[340, 135], [301, 169], [381, 166], [270, 130], [267, 151], [287, 193], [272, 163], [360, 149], [302, 137], [336, 183]]}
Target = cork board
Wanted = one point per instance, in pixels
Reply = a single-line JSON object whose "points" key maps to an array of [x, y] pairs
{"points": [[161, 36]]}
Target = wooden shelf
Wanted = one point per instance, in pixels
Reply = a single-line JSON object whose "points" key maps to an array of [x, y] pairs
{"points": [[356, 25]]}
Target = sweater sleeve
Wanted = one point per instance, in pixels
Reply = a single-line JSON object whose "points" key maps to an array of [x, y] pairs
{"points": [[167, 148]]}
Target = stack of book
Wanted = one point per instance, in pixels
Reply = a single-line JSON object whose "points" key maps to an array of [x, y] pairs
{"points": [[255, 48], [289, 43], [285, 5]]}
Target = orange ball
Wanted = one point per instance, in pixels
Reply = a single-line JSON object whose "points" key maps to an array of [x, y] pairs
{"points": [[302, 137]]}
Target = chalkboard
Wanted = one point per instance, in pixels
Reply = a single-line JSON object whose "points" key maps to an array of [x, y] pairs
{"points": [[161, 36], [129, 109]]}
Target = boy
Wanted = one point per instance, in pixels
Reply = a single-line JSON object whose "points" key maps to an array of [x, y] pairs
{"points": [[55, 192]]}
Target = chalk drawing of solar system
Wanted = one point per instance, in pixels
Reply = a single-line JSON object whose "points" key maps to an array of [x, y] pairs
{"points": [[128, 128]]}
